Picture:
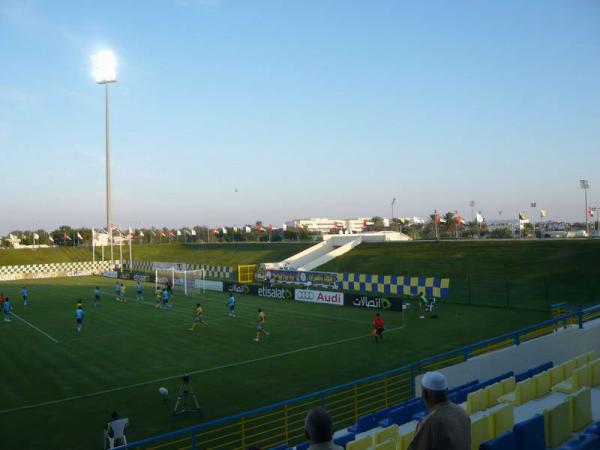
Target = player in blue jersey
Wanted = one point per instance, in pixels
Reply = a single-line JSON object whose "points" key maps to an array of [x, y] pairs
{"points": [[7, 308], [97, 296], [79, 318], [25, 295], [165, 299], [138, 291], [231, 305], [117, 289]]}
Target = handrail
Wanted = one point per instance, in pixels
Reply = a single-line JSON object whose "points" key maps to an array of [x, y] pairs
{"points": [[413, 368]]}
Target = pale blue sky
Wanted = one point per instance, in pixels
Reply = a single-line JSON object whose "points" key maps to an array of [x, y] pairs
{"points": [[308, 108]]}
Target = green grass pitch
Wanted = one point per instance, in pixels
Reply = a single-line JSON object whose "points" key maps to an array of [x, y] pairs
{"points": [[59, 387]]}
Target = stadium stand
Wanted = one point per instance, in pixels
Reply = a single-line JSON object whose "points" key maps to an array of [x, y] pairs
{"points": [[541, 410]]}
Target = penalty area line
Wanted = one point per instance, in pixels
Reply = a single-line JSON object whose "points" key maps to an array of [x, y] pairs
{"points": [[35, 328], [195, 372]]}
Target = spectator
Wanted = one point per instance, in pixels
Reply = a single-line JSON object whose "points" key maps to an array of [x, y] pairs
{"points": [[447, 426], [318, 428]]}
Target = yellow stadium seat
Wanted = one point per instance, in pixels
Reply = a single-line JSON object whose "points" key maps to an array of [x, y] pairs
{"points": [[568, 368], [542, 384], [580, 409], [493, 392], [508, 385], [405, 440], [595, 367], [591, 356], [582, 377], [556, 375], [557, 424], [391, 432], [389, 444], [525, 391], [501, 420], [476, 401], [581, 360], [480, 432], [360, 444]]}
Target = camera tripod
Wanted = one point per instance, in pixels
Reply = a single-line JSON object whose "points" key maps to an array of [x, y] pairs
{"points": [[186, 399]]}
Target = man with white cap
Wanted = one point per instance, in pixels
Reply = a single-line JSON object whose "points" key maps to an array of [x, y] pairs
{"points": [[447, 426]]}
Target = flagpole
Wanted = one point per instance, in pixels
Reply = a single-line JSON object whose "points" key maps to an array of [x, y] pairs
{"points": [[93, 248], [130, 255], [121, 250]]}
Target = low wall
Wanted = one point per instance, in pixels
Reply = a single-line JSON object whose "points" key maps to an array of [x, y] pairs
{"points": [[557, 347], [53, 270]]}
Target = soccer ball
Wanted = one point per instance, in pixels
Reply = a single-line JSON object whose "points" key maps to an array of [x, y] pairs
{"points": [[163, 391]]}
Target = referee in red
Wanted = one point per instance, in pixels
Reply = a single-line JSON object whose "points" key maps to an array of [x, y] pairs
{"points": [[378, 327]]}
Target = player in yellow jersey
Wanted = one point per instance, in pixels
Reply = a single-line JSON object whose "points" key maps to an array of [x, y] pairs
{"points": [[199, 319], [158, 294], [260, 329]]}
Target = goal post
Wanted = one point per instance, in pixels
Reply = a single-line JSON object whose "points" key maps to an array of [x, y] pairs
{"points": [[161, 276], [246, 273]]}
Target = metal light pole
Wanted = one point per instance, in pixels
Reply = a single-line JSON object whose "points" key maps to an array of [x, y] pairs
{"points": [[104, 68], [393, 202], [472, 205], [585, 185], [533, 206]]}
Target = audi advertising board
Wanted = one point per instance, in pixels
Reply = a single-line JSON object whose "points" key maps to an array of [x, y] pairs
{"points": [[325, 297]]}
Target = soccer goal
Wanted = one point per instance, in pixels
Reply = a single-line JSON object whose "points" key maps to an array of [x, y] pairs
{"points": [[187, 280]]}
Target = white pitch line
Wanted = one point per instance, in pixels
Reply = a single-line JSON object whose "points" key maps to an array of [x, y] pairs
{"points": [[35, 328], [196, 372]]}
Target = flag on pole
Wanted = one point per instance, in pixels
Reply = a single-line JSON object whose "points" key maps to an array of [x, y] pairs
{"points": [[178, 232], [141, 233], [521, 215], [131, 233], [66, 236], [479, 217], [284, 227], [162, 233], [270, 228], [437, 219], [36, 236], [591, 212], [50, 238], [247, 229], [213, 231], [79, 236], [543, 212], [171, 234], [193, 232], [458, 220], [224, 230], [235, 229]]}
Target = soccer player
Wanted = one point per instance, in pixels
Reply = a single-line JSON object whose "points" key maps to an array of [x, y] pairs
{"points": [[158, 295], [97, 296], [25, 295], [138, 291], [378, 327], [79, 318], [7, 308], [123, 292], [165, 299], [260, 328], [231, 304], [117, 291], [199, 319]]}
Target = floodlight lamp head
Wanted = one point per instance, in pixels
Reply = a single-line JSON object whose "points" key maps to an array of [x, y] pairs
{"points": [[104, 67], [584, 184]]}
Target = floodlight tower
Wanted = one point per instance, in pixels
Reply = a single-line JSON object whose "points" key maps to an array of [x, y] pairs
{"points": [[104, 70], [585, 185]]}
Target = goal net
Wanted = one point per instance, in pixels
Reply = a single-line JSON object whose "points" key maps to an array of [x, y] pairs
{"points": [[187, 281]]}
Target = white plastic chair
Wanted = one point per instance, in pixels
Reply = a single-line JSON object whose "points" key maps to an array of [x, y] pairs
{"points": [[118, 433]]}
